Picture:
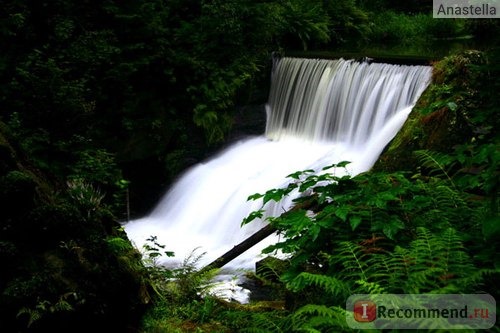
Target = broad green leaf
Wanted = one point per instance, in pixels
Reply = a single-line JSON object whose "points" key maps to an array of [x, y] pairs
{"points": [[274, 195], [341, 212], [342, 164], [252, 216], [255, 196], [355, 221], [391, 227], [295, 175]]}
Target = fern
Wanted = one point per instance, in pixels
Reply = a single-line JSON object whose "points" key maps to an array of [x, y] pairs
{"points": [[331, 285], [87, 197], [45, 307], [350, 255], [392, 269], [370, 287], [118, 245], [437, 163], [434, 262], [317, 318], [478, 277], [33, 315], [431, 262], [422, 251], [439, 259], [261, 324]]}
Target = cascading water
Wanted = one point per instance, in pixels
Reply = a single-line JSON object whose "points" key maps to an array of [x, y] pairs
{"points": [[319, 112]]}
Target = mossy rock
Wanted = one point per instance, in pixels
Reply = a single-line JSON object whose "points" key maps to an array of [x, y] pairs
{"points": [[441, 118]]}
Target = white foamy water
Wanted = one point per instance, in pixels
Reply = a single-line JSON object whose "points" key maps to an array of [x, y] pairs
{"points": [[320, 112]]}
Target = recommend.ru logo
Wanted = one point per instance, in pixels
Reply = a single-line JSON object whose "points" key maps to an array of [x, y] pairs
{"points": [[421, 311]]}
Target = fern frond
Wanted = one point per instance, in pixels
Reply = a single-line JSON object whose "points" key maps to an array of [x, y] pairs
{"points": [[329, 284], [424, 280], [450, 206], [204, 281], [314, 310], [474, 282], [118, 245], [190, 263], [350, 255], [370, 288], [33, 315], [62, 305], [262, 324], [431, 262], [436, 162], [453, 252], [397, 265], [421, 249], [318, 318], [270, 269], [436, 261]]}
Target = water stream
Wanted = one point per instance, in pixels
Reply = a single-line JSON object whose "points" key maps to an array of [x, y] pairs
{"points": [[319, 112]]}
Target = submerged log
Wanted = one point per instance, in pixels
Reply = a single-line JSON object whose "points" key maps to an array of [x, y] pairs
{"points": [[241, 248]]}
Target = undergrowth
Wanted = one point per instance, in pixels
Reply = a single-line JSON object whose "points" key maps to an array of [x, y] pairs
{"points": [[431, 230]]}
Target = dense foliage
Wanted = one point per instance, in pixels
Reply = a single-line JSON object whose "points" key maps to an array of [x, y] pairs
{"points": [[104, 103], [146, 87], [425, 221], [56, 247]]}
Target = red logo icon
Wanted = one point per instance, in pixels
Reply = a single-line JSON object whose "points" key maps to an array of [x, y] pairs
{"points": [[365, 311]]}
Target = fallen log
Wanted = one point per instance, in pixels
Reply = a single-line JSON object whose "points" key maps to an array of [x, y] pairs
{"points": [[255, 238], [241, 248]]}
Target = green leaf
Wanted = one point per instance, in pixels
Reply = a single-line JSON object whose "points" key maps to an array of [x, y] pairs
{"points": [[295, 175], [341, 212], [274, 195], [252, 216], [355, 221], [314, 231], [342, 164], [391, 227], [294, 222], [298, 174], [255, 196], [308, 183]]}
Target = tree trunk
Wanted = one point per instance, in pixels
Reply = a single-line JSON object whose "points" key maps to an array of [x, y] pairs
{"points": [[241, 248], [257, 237]]}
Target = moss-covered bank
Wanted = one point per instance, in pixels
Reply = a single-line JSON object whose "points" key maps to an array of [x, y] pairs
{"points": [[451, 112]]}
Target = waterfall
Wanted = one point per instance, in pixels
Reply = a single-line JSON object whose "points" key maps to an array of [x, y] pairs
{"points": [[319, 112], [338, 100]]}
